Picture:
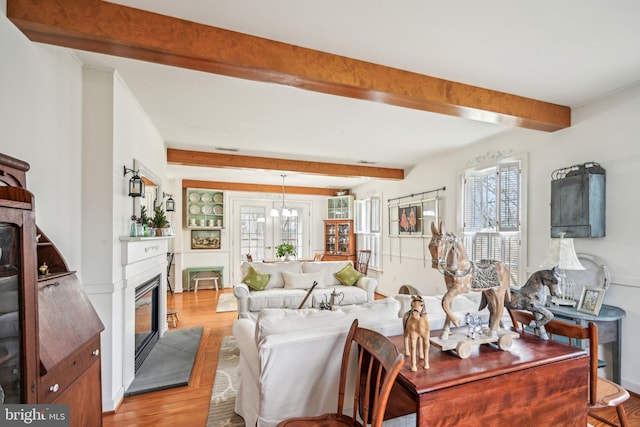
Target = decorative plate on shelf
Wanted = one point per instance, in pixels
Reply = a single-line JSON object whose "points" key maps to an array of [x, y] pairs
{"points": [[206, 209], [217, 209], [194, 197], [194, 209], [206, 197], [217, 198]]}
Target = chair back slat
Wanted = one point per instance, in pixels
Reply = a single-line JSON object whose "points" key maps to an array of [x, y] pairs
{"points": [[378, 365]]}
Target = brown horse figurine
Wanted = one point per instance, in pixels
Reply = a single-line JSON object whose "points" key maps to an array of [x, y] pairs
{"points": [[416, 333], [461, 276]]}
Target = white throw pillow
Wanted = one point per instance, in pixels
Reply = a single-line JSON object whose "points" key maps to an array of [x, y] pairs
{"points": [[328, 268], [275, 269], [302, 280]]}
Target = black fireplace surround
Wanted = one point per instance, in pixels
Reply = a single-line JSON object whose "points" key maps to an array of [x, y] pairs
{"points": [[146, 319]]}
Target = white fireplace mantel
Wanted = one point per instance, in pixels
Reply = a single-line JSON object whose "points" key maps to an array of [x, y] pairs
{"points": [[142, 259]]}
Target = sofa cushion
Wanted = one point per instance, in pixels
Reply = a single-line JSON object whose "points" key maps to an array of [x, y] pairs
{"points": [[276, 321], [352, 295], [302, 280], [328, 267], [275, 269], [348, 275], [256, 280], [277, 298]]}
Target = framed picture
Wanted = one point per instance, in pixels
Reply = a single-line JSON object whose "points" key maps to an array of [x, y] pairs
{"points": [[410, 219], [205, 239], [591, 300]]}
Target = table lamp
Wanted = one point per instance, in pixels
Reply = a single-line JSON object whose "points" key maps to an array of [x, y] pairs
{"points": [[563, 255]]}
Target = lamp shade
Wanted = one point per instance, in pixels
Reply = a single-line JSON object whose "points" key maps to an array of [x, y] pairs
{"points": [[562, 254]]}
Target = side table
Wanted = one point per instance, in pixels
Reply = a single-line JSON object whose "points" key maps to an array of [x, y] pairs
{"points": [[609, 322]]}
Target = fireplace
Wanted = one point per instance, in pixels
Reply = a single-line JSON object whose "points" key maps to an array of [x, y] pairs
{"points": [[146, 319]]}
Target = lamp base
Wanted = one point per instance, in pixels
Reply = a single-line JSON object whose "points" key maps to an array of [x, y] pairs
{"points": [[562, 301]]}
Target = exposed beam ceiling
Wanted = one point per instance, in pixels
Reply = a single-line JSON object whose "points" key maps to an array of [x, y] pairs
{"points": [[113, 29], [217, 160], [259, 188]]}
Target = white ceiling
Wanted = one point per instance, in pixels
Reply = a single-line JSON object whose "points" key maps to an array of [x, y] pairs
{"points": [[568, 53]]}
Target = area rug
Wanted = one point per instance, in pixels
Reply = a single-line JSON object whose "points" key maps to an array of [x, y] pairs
{"points": [[223, 395], [226, 302], [169, 363]]}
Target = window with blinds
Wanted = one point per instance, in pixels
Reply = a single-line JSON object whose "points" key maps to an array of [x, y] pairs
{"points": [[368, 217], [492, 205]]}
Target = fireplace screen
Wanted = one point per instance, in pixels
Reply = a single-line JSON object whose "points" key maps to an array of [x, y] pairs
{"points": [[146, 319]]}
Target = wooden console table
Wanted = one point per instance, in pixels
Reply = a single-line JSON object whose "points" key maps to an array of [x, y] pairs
{"points": [[535, 382], [609, 322]]}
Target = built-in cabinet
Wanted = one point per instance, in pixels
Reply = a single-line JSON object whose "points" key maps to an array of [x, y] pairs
{"points": [[340, 207], [339, 240], [49, 331], [203, 209]]}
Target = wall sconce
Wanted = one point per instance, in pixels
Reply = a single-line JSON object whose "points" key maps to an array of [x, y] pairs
{"points": [[136, 184], [170, 204]]}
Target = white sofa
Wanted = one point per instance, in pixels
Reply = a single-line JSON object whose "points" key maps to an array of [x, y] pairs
{"points": [[281, 294], [290, 359]]}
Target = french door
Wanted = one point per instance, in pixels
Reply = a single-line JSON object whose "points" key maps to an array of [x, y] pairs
{"points": [[259, 233]]}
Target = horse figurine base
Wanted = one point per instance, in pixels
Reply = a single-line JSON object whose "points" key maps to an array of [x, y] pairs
{"points": [[462, 344]]}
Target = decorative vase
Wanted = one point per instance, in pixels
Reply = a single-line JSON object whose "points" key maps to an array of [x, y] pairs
{"points": [[287, 257], [133, 229]]}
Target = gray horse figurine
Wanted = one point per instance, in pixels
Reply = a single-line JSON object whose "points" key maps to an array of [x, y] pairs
{"points": [[532, 297]]}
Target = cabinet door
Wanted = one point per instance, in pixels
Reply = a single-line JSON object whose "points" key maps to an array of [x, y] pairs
{"points": [[330, 237], [84, 399], [340, 207]]}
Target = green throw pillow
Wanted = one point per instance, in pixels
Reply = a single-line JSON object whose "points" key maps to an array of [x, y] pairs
{"points": [[348, 275], [256, 280]]}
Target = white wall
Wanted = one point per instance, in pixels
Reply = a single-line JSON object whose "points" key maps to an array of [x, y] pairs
{"points": [[40, 116], [605, 131]]}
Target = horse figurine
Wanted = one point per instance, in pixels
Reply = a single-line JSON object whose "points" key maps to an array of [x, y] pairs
{"points": [[532, 297], [461, 276], [416, 333], [474, 325]]}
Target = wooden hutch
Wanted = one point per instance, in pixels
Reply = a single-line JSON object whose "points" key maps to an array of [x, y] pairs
{"points": [[49, 331]]}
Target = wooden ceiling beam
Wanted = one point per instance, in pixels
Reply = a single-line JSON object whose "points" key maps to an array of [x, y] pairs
{"points": [[257, 188], [218, 160], [113, 29]]}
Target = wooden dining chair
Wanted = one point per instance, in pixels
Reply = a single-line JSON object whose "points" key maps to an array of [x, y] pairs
{"points": [[602, 392], [318, 257], [379, 363], [362, 263]]}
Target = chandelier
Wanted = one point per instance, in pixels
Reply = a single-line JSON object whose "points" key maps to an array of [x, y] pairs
{"points": [[283, 211]]}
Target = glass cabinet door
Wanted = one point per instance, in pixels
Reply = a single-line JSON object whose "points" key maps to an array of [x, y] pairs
{"points": [[340, 207], [10, 332]]}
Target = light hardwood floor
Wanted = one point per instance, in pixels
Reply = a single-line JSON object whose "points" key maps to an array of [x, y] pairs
{"points": [[188, 406]]}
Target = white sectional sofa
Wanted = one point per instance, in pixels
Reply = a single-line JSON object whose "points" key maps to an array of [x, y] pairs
{"points": [[290, 359], [289, 282]]}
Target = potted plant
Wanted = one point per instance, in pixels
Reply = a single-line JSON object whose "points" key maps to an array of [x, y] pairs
{"points": [[159, 220], [285, 250]]}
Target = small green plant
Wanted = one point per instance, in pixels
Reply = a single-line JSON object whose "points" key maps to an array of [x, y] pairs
{"points": [[144, 219], [284, 249], [159, 218]]}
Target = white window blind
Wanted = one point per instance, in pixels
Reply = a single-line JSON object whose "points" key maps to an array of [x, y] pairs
{"points": [[368, 213], [492, 202]]}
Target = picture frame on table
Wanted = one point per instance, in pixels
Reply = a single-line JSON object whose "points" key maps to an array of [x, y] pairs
{"points": [[591, 300]]}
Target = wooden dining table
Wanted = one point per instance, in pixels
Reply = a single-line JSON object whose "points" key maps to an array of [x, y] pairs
{"points": [[534, 383]]}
